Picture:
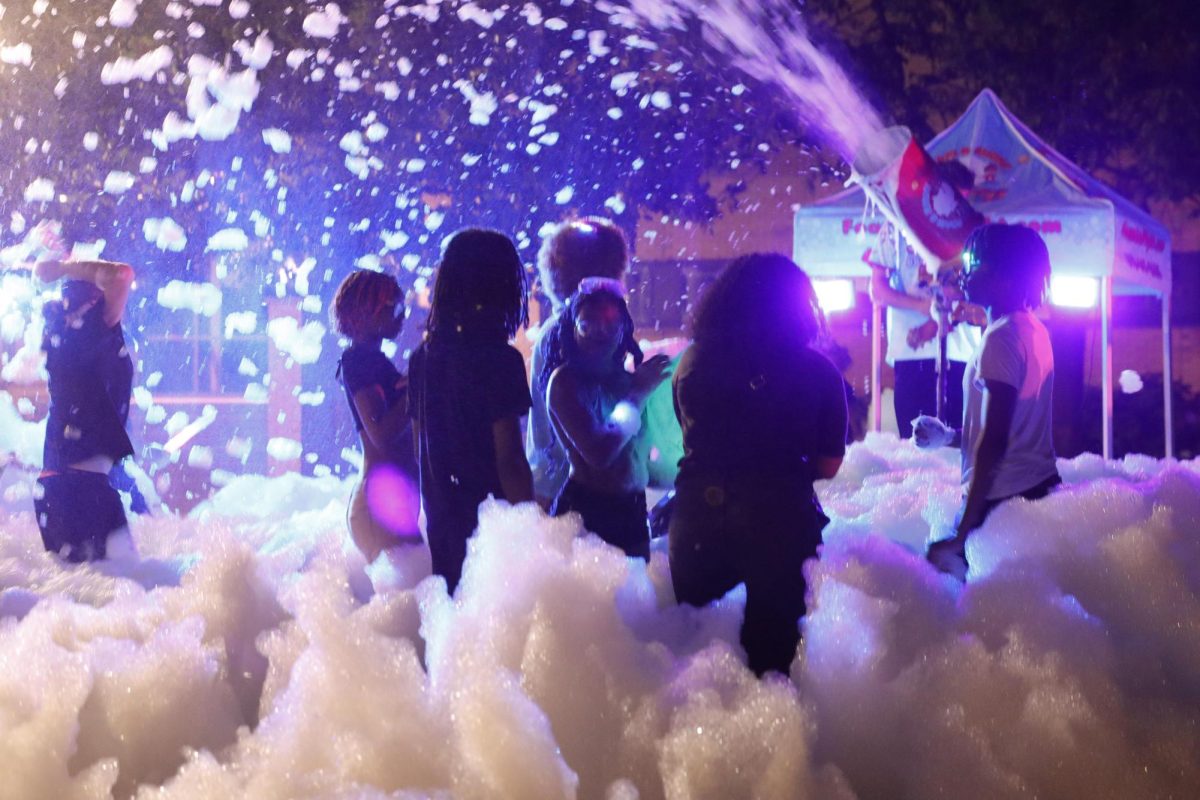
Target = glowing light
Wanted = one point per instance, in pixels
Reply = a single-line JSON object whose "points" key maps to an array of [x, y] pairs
{"points": [[1074, 291], [835, 295], [393, 499]]}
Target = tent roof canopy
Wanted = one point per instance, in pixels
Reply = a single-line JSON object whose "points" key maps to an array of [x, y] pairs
{"points": [[1088, 228]]}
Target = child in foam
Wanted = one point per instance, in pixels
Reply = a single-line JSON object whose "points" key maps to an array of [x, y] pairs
{"points": [[596, 408], [91, 381], [763, 416], [573, 250], [1007, 447], [467, 392], [367, 309]]}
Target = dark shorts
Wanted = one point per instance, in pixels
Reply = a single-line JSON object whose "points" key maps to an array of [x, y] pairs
{"points": [[1034, 493], [77, 512], [619, 519], [756, 532]]}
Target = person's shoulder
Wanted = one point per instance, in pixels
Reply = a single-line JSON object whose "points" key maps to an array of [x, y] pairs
{"points": [[563, 378], [820, 365]]}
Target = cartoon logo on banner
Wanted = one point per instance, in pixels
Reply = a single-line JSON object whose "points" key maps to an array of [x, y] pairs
{"points": [[935, 212]]}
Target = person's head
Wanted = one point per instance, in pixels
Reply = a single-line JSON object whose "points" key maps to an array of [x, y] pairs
{"points": [[481, 288], [595, 327], [1007, 267], [577, 249], [80, 305], [368, 305], [759, 297]]}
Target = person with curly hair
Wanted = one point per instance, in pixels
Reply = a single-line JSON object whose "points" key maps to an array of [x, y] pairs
{"points": [[763, 416], [367, 309]]}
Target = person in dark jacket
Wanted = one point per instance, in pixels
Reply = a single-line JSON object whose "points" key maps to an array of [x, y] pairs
{"points": [[90, 384]]}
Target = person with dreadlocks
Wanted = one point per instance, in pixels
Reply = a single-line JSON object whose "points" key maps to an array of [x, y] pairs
{"points": [[467, 392], [596, 407], [90, 385], [367, 309], [1006, 435]]}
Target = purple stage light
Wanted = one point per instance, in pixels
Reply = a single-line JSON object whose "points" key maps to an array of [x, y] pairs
{"points": [[393, 499], [834, 294], [1074, 291]]}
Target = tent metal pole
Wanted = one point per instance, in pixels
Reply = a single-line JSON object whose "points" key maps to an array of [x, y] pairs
{"points": [[1168, 400], [1106, 367], [876, 367]]}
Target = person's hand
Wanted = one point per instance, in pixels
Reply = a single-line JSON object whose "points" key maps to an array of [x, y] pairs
{"points": [[922, 333], [969, 313], [649, 374], [48, 243], [930, 432]]}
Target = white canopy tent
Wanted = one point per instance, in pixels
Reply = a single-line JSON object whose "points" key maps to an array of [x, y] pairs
{"points": [[1089, 230]]}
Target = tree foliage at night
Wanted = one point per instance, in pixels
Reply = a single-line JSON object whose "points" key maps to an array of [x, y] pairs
{"points": [[1109, 84], [405, 123]]}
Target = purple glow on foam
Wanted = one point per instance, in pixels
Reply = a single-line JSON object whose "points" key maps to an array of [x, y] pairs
{"points": [[393, 499], [1074, 291], [835, 295]]}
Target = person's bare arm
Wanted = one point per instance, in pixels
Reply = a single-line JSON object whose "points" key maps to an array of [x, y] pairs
{"points": [[382, 425], [598, 441], [112, 278], [516, 479], [999, 406], [882, 293]]}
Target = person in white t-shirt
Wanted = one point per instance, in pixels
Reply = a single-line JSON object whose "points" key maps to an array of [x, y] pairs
{"points": [[1007, 446]]}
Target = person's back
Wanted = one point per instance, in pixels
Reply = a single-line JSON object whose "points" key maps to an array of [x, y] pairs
{"points": [[748, 413], [467, 393], [457, 389], [90, 383], [763, 416]]}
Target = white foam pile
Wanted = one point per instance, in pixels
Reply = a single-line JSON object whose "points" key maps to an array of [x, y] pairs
{"points": [[245, 654]]}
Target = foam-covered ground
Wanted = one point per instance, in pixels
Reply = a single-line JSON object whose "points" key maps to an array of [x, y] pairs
{"points": [[248, 655]]}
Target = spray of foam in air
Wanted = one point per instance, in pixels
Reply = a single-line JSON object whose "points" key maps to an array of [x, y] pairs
{"points": [[767, 39]]}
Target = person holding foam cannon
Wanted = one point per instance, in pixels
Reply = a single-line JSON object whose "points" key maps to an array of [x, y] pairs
{"points": [[927, 346], [1007, 448]]}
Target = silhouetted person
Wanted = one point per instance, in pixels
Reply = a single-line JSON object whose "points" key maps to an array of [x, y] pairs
{"points": [[467, 392], [763, 416], [90, 384]]}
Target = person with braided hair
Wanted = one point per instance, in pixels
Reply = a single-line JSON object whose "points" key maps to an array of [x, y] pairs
{"points": [[595, 406]]}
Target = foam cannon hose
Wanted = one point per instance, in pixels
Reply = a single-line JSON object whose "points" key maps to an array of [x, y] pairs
{"points": [[903, 182]]}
